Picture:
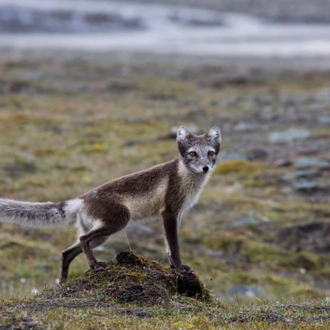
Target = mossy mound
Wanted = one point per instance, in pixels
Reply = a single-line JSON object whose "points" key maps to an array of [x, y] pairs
{"points": [[132, 279]]}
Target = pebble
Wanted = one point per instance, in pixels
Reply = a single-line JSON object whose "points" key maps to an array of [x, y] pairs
{"points": [[233, 155], [246, 222], [230, 78], [35, 291], [245, 127], [306, 186], [289, 135], [257, 154], [301, 175], [307, 162], [283, 163], [323, 120], [287, 190], [191, 127]]}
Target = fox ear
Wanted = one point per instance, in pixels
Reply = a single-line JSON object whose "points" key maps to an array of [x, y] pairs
{"points": [[182, 133], [215, 133]]}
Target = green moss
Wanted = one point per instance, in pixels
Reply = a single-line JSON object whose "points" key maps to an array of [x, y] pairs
{"points": [[240, 167], [96, 147]]}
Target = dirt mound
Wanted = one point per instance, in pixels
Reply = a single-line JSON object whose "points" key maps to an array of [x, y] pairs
{"points": [[132, 279]]}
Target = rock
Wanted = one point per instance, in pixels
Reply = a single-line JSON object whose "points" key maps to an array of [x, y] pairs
{"points": [[131, 143], [243, 126], [323, 95], [287, 190], [304, 181], [301, 175], [232, 78], [246, 290], [188, 18], [246, 222], [33, 75], [323, 120], [283, 163], [257, 154], [306, 186], [191, 127], [233, 155], [51, 20], [289, 135], [306, 162]]}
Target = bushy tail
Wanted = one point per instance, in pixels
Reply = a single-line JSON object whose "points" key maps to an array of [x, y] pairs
{"points": [[38, 214]]}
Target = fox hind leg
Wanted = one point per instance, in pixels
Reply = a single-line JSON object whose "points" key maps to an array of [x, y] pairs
{"points": [[67, 256], [90, 241], [98, 236], [73, 251]]}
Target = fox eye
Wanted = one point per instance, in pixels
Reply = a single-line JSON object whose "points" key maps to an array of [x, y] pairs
{"points": [[192, 154], [211, 153]]}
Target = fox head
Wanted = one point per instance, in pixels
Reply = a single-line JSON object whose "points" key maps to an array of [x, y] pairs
{"points": [[199, 152]]}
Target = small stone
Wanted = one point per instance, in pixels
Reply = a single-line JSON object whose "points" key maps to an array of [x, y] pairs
{"points": [[191, 127], [287, 190], [246, 222], [305, 186], [283, 163], [257, 154], [323, 120], [306, 162], [233, 155], [244, 127], [301, 175], [289, 135], [35, 291], [234, 78]]}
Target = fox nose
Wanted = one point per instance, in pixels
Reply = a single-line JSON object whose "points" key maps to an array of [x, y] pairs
{"points": [[205, 169]]}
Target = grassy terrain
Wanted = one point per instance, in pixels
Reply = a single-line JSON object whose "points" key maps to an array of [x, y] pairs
{"points": [[66, 127]]}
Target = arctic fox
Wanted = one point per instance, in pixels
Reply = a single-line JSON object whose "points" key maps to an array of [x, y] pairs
{"points": [[167, 189]]}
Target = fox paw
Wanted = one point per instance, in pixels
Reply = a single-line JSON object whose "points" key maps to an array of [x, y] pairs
{"points": [[100, 266], [184, 269]]}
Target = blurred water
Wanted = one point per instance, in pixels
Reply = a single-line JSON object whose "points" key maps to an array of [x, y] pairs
{"points": [[101, 26]]}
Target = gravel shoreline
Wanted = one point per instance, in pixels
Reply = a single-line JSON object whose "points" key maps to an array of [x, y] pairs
{"points": [[316, 11]]}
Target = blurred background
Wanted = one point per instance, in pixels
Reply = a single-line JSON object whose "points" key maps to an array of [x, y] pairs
{"points": [[92, 90], [228, 28]]}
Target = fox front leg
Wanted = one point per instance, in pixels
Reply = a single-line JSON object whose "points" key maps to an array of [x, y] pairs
{"points": [[171, 226]]}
